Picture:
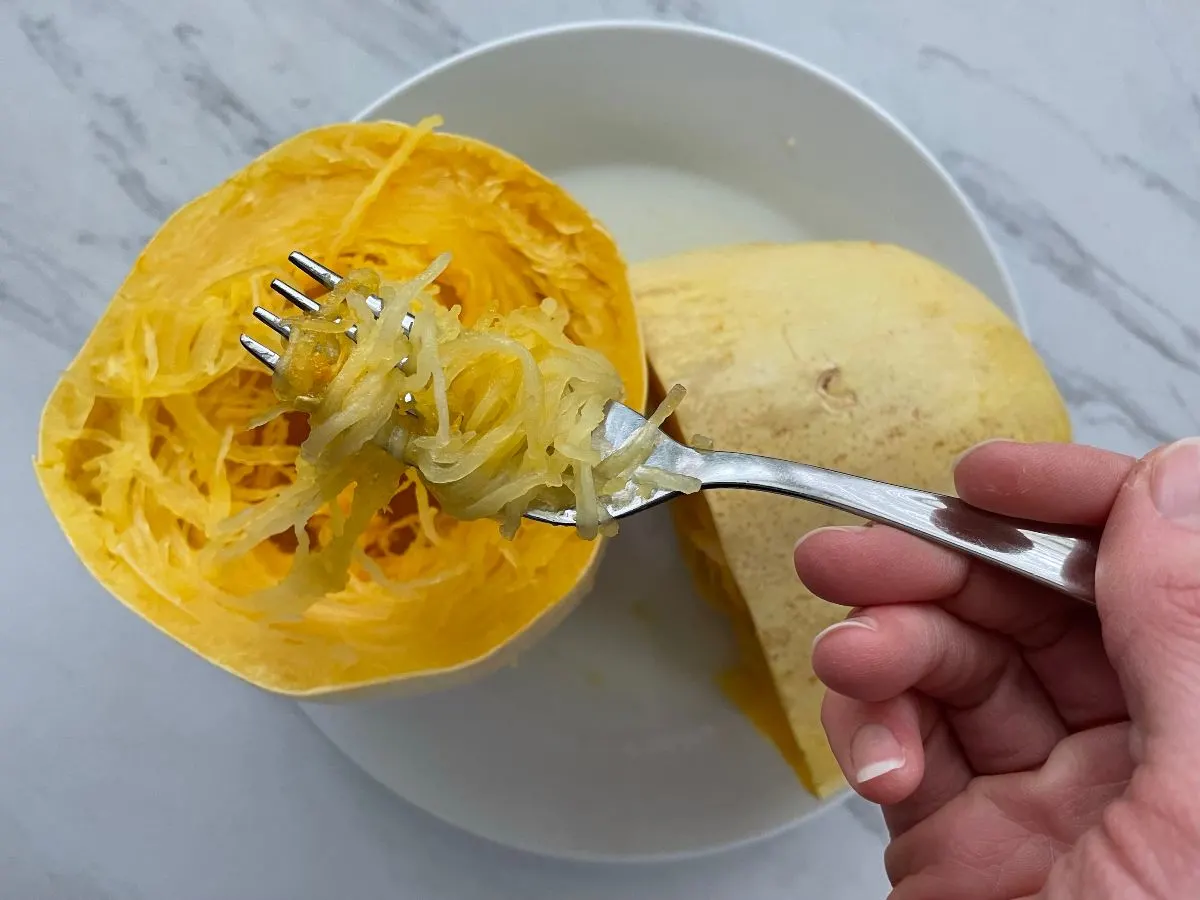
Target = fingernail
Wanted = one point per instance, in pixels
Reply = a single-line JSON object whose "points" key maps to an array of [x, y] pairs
{"points": [[874, 751], [974, 447], [849, 529], [853, 622], [1175, 483]]}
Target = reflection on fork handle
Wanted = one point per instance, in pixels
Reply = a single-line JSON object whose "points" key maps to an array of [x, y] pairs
{"points": [[1059, 557]]}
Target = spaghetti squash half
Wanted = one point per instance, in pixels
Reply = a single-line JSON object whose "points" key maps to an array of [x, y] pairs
{"points": [[146, 449], [862, 357]]}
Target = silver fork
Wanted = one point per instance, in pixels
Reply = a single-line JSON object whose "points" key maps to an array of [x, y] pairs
{"points": [[1060, 558], [329, 279]]}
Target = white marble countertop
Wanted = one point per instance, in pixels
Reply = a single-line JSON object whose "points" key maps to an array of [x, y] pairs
{"points": [[129, 768]]}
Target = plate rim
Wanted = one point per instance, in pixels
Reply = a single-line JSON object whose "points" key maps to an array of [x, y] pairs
{"points": [[618, 25], [824, 805]]}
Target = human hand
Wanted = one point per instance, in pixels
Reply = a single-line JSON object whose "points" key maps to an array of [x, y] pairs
{"points": [[1020, 744]]}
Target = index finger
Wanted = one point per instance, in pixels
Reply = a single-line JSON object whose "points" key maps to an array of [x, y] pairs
{"points": [[1067, 484]]}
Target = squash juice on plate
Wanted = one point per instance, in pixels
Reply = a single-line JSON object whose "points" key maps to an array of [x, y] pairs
{"points": [[306, 534]]}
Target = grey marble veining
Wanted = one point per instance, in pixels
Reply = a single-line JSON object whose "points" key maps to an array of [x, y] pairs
{"points": [[128, 768]]}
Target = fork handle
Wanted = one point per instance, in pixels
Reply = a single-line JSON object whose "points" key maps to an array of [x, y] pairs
{"points": [[1060, 558]]}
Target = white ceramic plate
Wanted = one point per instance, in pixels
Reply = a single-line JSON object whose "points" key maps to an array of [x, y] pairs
{"points": [[610, 740]]}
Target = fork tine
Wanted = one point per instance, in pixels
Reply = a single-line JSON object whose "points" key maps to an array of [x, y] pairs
{"points": [[272, 321], [261, 352], [328, 277], [314, 269], [294, 297]]}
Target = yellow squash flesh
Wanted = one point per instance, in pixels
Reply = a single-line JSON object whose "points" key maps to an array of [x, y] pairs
{"points": [[855, 356], [143, 445]]}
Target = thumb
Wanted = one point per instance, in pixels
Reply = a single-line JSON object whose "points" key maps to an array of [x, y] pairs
{"points": [[1148, 594]]}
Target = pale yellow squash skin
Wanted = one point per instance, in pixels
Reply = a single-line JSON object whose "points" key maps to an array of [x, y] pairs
{"points": [[855, 356], [351, 195]]}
